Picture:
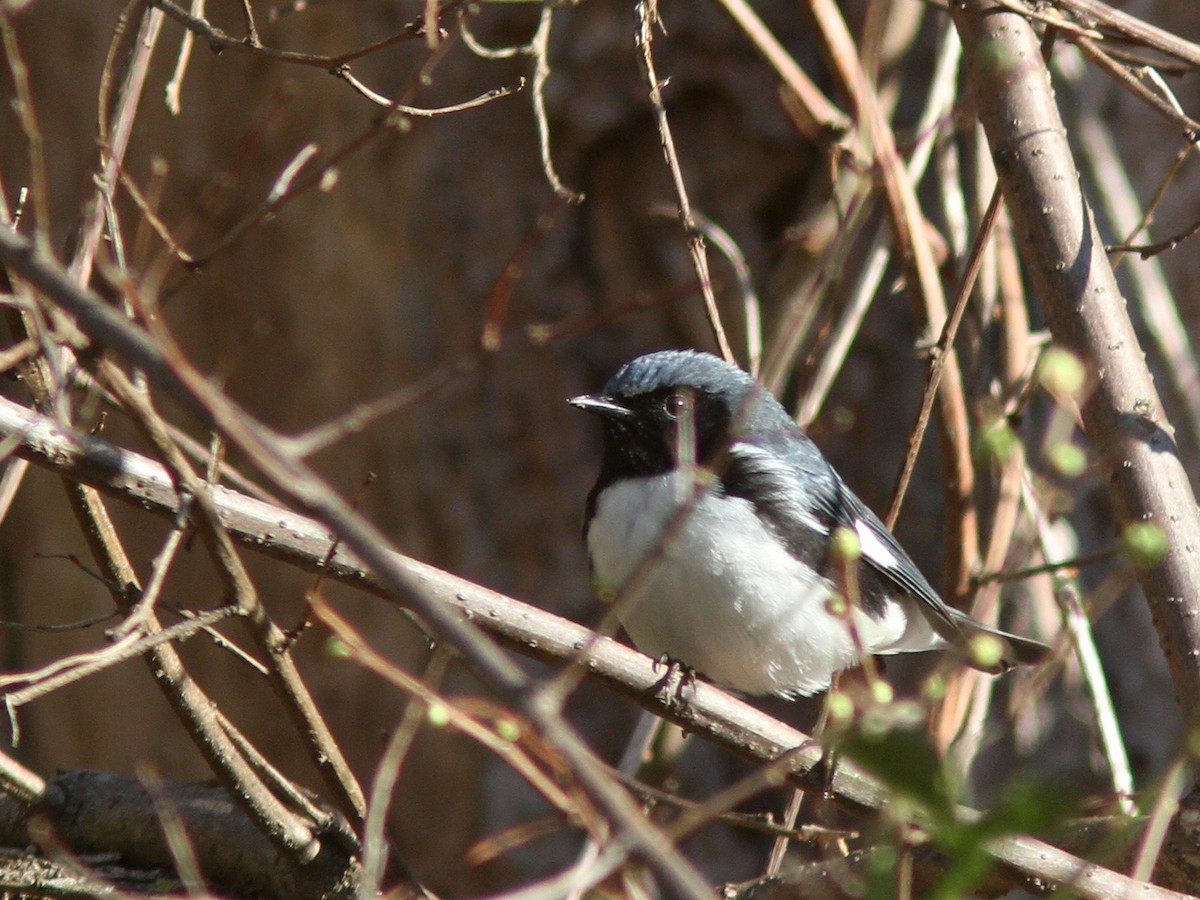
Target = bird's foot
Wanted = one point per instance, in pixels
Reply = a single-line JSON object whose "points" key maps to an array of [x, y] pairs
{"points": [[679, 678]]}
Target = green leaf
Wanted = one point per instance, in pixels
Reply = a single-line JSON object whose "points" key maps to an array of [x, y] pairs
{"points": [[905, 761], [1026, 807]]}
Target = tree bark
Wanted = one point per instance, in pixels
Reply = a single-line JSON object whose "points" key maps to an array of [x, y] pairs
{"points": [[1069, 271]]}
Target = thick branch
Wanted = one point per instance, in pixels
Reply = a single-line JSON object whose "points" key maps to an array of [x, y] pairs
{"points": [[721, 718], [1066, 263], [102, 812]]}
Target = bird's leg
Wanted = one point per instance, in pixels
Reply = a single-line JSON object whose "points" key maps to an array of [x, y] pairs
{"points": [[825, 770]]}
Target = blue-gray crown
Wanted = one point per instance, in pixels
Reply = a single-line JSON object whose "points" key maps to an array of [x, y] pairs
{"points": [[679, 368]]}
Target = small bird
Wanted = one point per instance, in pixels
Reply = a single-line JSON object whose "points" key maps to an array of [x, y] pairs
{"points": [[713, 524]]}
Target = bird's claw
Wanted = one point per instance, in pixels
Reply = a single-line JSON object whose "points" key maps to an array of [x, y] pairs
{"points": [[679, 686]]}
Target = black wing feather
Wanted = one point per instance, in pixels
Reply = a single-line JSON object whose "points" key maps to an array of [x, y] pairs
{"points": [[796, 491]]}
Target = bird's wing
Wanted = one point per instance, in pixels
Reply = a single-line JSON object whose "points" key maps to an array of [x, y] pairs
{"points": [[795, 489], [884, 553]]}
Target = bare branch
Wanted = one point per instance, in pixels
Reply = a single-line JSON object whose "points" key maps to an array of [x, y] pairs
{"points": [[27, 115], [221, 40], [1129, 27], [539, 49], [827, 120], [941, 354], [175, 86], [189, 387], [114, 138], [104, 812], [723, 719], [695, 236]]}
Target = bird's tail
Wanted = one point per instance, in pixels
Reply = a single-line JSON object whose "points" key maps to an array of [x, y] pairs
{"points": [[991, 650]]}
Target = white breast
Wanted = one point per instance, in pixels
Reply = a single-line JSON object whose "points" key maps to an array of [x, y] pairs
{"points": [[717, 591]]}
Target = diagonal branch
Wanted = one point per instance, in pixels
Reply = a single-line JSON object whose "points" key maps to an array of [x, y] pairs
{"points": [[721, 718], [169, 371]]}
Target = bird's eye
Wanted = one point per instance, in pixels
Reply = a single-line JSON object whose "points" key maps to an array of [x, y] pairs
{"points": [[675, 404]]}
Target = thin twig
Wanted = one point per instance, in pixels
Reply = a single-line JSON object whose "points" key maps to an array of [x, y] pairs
{"points": [[114, 136], [940, 354], [151, 217], [694, 235], [1171, 111], [1074, 564], [752, 309], [139, 613], [827, 119], [22, 105], [179, 844], [357, 419], [1067, 589], [251, 29], [940, 98], [343, 72], [387, 774], [78, 625], [1153, 249], [70, 669], [1093, 13], [175, 86], [539, 49], [1166, 804], [221, 40]]}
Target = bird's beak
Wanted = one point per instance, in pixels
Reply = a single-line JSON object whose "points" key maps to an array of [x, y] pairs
{"points": [[602, 406]]}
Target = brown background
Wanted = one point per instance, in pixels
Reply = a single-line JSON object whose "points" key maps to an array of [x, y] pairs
{"points": [[351, 293]]}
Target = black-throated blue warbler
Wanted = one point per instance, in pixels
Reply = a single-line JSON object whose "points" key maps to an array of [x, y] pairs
{"points": [[713, 523]]}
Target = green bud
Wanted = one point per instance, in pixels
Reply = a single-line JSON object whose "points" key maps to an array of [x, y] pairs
{"points": [[1000, 441], [438, 715], [602, 591], [1062, 374], [986, 650], [336, 648], [508, 730], [841, 707], [934, 688], [1144, 543], [1068, 459], [846, 544]]}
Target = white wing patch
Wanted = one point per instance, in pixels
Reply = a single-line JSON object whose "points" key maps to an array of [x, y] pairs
{"points": [[873, 547], [765, 461]]}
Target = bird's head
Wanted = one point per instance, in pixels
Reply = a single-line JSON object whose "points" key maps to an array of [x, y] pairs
{"points": [[669, 406]]}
